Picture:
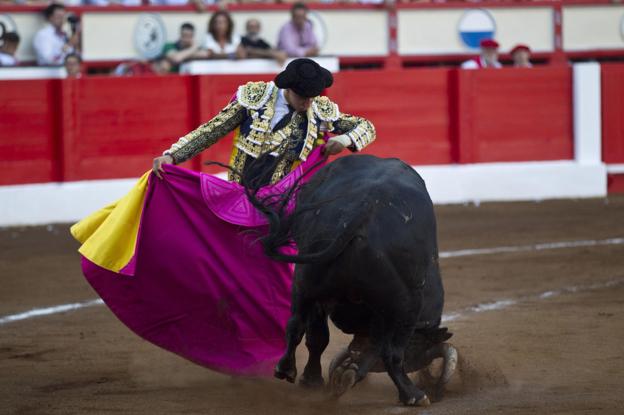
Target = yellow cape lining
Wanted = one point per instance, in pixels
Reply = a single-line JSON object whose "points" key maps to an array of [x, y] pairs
{"points": [[108, 236]]}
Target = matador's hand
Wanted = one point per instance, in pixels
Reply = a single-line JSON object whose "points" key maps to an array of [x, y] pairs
{"points": [[336, 144], [158, 163]]}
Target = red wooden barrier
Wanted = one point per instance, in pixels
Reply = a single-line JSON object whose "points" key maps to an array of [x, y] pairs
{"points": [[409, 108], [112, 127], [612, 76], [28, 132], [101, 128], [514, 114]]}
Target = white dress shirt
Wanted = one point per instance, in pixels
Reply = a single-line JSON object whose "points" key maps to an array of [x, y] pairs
{"points": [[48, 44], [478, 63], [281, 108], [7, 60], [229, 48]]}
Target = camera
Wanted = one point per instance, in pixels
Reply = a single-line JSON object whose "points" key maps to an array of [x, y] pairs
{"points": [[74, 22]]}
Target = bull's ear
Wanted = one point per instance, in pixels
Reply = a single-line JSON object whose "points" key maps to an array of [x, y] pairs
{"points": [[440, 335]]}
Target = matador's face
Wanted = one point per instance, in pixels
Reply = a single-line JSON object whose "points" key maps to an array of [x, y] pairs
{"points": [[299, 103]]}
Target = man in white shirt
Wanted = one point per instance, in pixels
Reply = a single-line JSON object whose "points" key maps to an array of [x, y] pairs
{"points": [[488, 57], [10, 42], [51, 44]]}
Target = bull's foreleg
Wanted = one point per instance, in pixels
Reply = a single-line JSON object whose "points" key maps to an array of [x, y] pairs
{"points": [[317, 339]]}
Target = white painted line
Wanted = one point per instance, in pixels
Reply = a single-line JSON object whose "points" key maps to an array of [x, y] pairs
{"points": [[506, 303], [528, 248], [37, 312]]}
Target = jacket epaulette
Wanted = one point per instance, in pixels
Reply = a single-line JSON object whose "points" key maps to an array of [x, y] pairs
{"points": [[325, 109], [253, 95]]}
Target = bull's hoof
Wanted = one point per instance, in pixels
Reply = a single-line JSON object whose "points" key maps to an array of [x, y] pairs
{"points": [[288, 375], [312, 382], [343, 380], [414, 401]]}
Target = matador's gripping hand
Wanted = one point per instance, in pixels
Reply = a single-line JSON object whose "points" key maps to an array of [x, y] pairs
{"points": [[336, 144], [158, 163]]}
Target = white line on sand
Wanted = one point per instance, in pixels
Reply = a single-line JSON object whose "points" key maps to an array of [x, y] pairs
{"points": [[37, 312], [496, 305], [502, 304], [528, 248]]}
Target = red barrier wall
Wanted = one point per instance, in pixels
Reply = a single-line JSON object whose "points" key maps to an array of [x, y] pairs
{"points": [[612, 78], [514, 114], [111, 126], [409, 108], [100, 127], [29, 135]]}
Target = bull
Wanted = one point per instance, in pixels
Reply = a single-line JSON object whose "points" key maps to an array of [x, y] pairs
{"points": [[367, 257]]}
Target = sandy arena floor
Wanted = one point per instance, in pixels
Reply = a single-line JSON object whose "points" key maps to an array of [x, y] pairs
{"points": [[555, 348]]}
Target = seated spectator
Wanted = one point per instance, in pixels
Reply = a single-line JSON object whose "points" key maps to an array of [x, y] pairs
{"points": [[256, 47], [114, 2], [10, 42], [51, 44], [488, 57], [184, 48], [200, 5], [521, 55], [297, 37], [73, 65], [158, 66], [221, 41]]}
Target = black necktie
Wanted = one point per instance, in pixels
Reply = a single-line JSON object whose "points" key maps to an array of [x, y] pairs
{"points": [[285, 119]]}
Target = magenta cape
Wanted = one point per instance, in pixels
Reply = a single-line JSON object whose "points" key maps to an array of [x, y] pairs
{"points": [[199, 284]]}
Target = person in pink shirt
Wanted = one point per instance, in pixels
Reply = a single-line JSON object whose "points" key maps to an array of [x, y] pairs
{"points": [[297, 37]]}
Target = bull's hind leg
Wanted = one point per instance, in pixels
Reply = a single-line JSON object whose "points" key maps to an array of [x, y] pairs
{"points": [[393, 358], [317, 339]]}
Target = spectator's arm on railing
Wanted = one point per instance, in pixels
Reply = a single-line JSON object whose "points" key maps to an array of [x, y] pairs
{"points": [[180, 56]]}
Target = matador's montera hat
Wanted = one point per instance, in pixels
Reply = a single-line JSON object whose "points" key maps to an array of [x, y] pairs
{"points": [[305, 77]]}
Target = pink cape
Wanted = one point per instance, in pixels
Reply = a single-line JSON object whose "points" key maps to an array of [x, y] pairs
{"points": [[199, 284]]}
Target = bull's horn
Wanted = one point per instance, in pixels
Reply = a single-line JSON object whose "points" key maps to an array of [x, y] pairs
{"points": [[450, 363]]}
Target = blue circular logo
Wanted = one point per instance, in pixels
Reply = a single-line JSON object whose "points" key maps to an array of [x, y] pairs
{"points": [[475, 25]]}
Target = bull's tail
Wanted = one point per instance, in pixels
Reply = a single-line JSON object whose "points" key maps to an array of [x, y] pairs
{"points": [[335, 248]]}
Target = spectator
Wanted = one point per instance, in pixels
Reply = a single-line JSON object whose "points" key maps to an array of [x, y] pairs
{"points": [[200, 5], [114, 2], [488, 57], [184, 48], [221, 42], [256, 47], [158, 66], [73, 65], [10, 42], [297, 37], [521, 55], [51, 44]]}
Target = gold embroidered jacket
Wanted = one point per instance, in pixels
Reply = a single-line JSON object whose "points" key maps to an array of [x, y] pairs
{"points": [[251, 113]]}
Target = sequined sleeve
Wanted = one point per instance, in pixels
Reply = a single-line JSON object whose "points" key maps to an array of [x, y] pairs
{"points": [[207, 134], [358, 129]]}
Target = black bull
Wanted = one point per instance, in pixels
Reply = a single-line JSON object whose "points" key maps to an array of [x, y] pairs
{"points": [[368, 258]]}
